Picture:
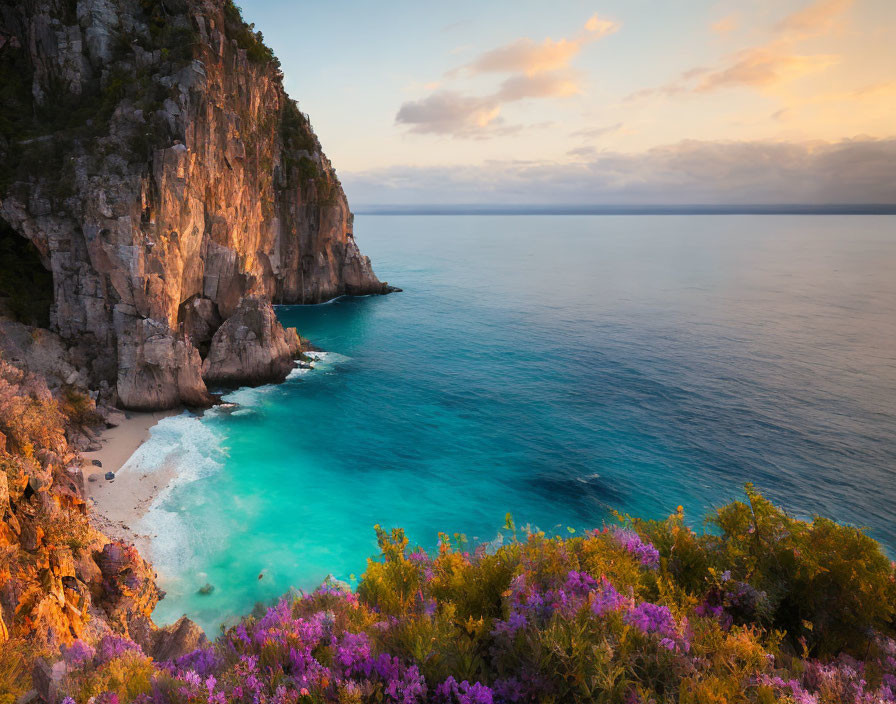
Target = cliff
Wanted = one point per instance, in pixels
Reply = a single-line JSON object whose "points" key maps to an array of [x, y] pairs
{"points": [[60, 579], [149, 153]]}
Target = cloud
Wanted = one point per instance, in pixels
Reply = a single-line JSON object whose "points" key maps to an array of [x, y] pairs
{"points": [[764, 66], [525, 56], [449, 112], [549, 85], [529, 57], [594, 132], [453, 113], [534, 71], [582, 152], [725, 25], [817, 17], [691, 172], [767, 64]]}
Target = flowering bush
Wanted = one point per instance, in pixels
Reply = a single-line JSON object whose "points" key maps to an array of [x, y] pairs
{"points": [[616, 615]]}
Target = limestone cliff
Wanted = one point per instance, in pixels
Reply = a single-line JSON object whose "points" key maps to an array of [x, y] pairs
{"points": [[149, 152]]}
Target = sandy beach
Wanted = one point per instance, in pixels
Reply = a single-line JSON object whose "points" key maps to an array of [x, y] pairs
{"points": [[117, 504]]}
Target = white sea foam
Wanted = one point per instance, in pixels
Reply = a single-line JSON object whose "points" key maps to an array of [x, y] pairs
{"points": [[192, 449], [297, 372], [249, 396], [327, 359]]}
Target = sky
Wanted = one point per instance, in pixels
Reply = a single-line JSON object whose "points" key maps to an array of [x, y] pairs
{"points": [[609, 102]]}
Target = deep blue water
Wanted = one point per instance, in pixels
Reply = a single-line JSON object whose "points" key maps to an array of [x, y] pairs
{"points": [[555, 367]]}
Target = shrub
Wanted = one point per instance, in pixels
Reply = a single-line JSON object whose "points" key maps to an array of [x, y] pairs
{"points": [[615, 615], [828, 585], [78, 407]]}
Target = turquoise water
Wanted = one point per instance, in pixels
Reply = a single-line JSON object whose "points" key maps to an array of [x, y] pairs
{"points": [[554, 367]]}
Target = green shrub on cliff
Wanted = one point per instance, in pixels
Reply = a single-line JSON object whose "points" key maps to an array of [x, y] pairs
{"points": [[825, 585], [648, 611], [246, 36]]}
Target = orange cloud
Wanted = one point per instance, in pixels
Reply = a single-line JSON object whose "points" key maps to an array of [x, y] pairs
{"points": [[535, 71], [530, 57], [774, 62], [459, 115], [819, 16], [764, 66], [600, 28], [526, 56], [725, 25]]}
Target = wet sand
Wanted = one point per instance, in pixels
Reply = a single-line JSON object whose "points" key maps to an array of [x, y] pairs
{"points": [[116, 505]]}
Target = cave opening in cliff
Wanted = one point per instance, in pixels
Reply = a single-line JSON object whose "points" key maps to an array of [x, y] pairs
{"points": [[26, 286]]}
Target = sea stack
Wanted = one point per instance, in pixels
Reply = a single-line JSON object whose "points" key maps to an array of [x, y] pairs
{"points": [[151, 156]]}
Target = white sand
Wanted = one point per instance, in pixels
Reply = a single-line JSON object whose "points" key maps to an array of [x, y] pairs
{"points": [[117, 504]]}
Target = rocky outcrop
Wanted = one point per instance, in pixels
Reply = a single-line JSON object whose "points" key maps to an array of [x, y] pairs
{"points": [[251, 347], [149, 152], [60, 578], [169, 643]]}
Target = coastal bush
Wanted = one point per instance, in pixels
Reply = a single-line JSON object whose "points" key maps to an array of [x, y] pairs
{"points": [[78, 407], [644, 611], [246, 36]]}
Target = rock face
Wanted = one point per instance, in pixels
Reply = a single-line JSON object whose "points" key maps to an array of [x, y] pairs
{"points": [[149, 152], [60, 578], [251, 346]]}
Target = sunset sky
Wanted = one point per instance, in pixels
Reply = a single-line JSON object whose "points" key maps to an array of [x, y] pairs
{"points": [[619, 101]]}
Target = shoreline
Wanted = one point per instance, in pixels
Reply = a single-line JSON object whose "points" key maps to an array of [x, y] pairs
{"points": [[116, 505]]}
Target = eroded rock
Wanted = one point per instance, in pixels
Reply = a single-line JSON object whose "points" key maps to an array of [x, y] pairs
{"points": [[251, 347]]}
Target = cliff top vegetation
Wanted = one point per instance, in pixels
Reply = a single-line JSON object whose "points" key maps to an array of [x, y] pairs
{"points": [[762, 607]]}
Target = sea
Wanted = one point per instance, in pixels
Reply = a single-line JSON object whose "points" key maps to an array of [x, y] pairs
{"points": [[554, 367]]}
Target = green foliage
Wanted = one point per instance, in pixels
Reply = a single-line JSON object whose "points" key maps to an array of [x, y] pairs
{"points": [[246, 36], [390, 585], [127, 676], [295, 131], [15, 678], [819, 588], [176, 42], [829, 585], [78, 407], [604, 616]]}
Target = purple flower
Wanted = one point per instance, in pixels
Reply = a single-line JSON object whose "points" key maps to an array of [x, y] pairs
{"points": [[202, 661], [450, 691], [652, 618], [419, 557], [791, 687], [353, 654], [509, 690], [112, 647], [579, 583], [606, 599], [106, 698], [631, 542], [78, 654], [409, 687], [515, 621]]}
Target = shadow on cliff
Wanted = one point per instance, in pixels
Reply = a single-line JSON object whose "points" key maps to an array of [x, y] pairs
{"points": [[26, 285]]}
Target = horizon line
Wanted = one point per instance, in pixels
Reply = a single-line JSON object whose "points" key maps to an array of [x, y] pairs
{"points": [[647, 209]]}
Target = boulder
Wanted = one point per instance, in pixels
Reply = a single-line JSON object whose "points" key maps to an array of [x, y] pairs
{"points": [[176, 640], [251, 347], [47, 679]]}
